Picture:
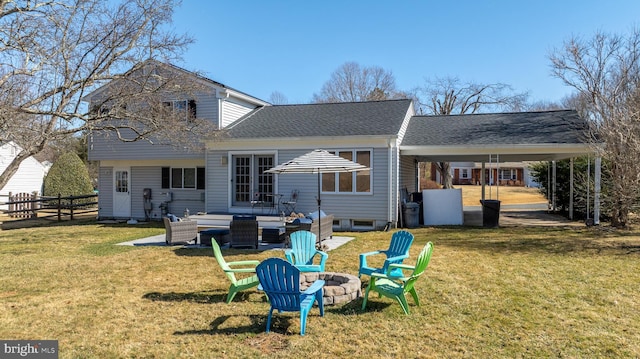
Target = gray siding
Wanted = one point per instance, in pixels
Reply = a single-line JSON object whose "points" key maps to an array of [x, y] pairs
{"points": [[346, 207], [103, 147], [408, 176], [207, 106], [218, 182], [105, 192], [147, 177], [110, 148], [368, 207], [151, 177]]}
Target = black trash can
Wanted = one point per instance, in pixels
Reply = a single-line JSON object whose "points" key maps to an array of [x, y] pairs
{"points": [[490, 213], [417, 198], [412, 215]]}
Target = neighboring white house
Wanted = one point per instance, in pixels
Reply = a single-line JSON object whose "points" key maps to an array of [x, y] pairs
{"points": [[28, 178]]}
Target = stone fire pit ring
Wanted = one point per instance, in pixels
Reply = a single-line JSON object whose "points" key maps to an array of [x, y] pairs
{"points": [[338, 288]]}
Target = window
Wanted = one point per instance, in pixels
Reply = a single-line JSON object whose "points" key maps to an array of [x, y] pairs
{"points": [[464, 173], [350, 182], [507, 174], [186, 108], [122, 181], [183, 177]]}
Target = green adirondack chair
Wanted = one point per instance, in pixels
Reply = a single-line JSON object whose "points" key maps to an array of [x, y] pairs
{"points": [[231, 268], [397, 287]]}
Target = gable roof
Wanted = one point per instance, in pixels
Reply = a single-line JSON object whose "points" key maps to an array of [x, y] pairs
{"points": [[520, 135], [151, 63], [373, 118]]}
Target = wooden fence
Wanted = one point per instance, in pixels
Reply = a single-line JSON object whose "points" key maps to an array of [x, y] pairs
{"points": [[28, 205]]}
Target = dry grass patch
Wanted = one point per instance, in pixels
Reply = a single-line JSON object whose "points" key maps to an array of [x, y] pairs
{"points": [[507, 292], [471, 195]]}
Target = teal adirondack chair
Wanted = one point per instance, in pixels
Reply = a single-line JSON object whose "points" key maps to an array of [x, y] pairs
{"points": [[303, 251], [280, 280], [397, 287], [397, 252], [231, 268]]}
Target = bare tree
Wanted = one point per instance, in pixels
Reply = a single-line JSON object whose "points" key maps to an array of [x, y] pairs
{"points": [[54, 53], [353, 83], [278, 98], [449, 95], [605, 71]]}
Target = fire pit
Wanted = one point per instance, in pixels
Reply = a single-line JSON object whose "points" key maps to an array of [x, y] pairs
{"points": [[338, 288]]}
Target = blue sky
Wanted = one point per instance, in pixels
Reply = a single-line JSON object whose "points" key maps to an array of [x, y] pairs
{"points": [[292, 47]]}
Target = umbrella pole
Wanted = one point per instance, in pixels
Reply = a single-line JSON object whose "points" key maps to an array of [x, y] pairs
{"points": [[319, 216]]}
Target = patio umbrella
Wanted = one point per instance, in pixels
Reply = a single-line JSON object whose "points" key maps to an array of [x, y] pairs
{"points": [[317, 161]]}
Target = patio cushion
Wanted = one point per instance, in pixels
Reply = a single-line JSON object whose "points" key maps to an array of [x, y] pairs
{"points": [[241, 217], [314, 215], [221, 235], [302, 221]]}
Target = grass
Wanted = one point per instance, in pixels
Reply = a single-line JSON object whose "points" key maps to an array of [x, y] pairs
{"points": [[507, 292], [471, 195]]}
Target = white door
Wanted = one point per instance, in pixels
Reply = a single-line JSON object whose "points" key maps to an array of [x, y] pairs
{"points": [[121, 193]]}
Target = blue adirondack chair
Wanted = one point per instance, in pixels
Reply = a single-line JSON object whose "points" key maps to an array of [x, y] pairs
{"points": [[397, 252], [303, 251], [280, 280], [397, 287]]}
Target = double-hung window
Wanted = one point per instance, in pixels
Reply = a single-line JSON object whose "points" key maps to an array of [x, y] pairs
{"points": [[186, 108], [349, 182], [507, 174]]}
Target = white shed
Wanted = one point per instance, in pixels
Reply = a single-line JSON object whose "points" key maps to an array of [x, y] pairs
{"points": [[28, 178]]}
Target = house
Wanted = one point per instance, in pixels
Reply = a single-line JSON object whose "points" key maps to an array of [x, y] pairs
{"points": [[506, 173], [173, 178], [387, 136], [29, 177]]}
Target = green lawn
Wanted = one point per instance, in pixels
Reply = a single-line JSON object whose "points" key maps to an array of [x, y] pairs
{"points": [[507, 292]]}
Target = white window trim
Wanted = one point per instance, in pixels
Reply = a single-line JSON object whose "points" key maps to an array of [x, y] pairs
{"points": [[353, 174]]}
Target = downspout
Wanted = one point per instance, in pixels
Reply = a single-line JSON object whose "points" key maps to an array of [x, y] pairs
{"points": [[206, 169], [390, 190]]}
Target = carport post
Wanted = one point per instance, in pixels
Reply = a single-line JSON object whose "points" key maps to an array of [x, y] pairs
{"points": [[553, 184], [571, 188], [482, 182]]}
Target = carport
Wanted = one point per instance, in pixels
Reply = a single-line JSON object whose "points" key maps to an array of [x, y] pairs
{"points": [[502, 137]]}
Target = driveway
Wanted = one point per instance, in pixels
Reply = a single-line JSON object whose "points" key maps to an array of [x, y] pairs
{"points": [[520, 215]]}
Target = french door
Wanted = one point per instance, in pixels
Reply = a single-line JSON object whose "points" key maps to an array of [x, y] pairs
{"points": [[250, 183]]}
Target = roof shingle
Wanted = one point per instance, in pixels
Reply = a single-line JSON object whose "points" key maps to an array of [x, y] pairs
{"points": [[330, 119], [561, 127]]}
